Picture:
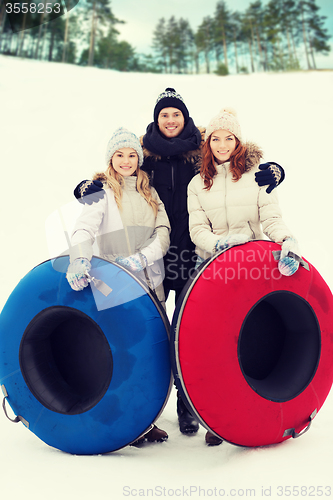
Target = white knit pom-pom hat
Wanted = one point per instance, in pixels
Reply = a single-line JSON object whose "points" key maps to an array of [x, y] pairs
{"points": [[123, 138], [225, 120]]}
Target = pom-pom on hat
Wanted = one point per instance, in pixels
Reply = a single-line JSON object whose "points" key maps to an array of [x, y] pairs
{"points": [[170, 99], [123, 138], [225, 120]]}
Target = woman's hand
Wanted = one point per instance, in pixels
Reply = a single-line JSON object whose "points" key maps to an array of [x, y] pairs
{"points": [[135, 262], [77, 274], [230, 241], [288, 264]]}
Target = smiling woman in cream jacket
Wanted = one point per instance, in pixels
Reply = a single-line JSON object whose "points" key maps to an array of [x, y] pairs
{"points": [[226, 205]]}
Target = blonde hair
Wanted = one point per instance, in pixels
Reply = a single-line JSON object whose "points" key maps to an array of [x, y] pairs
{"points": [[115, 181]]}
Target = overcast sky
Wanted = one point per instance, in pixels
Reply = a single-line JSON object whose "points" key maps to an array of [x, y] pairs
{"points": [[142, 16]]}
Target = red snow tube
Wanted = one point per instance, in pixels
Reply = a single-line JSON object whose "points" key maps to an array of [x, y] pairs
{"points": [[252, 350]]}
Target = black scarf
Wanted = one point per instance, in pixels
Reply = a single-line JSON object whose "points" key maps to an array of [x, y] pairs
{"points": [[188, 140]]}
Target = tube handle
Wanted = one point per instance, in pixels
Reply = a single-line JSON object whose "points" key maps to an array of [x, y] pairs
{"points": [[292, 432], [19, 418]]}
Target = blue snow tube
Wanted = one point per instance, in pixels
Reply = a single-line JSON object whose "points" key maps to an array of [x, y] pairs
{"points": [[85, 372]]}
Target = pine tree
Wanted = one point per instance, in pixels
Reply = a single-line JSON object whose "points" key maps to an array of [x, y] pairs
{"points": [[204, 40], [184, 41], [41, 28], [304, 32], [172, 42], [66, 34], [290, 25], [317, 34], [255, 15], [235, 23], [222, 31], [56, 30], [101, 18], [148, 64], [246, 36], [112, 54], [160, 43], [272, 35]]}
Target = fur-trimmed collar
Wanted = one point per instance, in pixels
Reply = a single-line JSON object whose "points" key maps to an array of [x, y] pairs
{"points": [[100, 176], [253, 155], [190, 156]]}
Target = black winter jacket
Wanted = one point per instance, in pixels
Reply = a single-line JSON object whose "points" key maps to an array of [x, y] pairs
{"points": [[170, 176]]}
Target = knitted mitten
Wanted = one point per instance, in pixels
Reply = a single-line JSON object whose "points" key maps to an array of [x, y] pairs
{"points": [[89, 191], [230, 241], [77, 274], [288, 264], [272, 174], [135, 262]]}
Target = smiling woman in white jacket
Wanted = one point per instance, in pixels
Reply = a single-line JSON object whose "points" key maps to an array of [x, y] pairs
{"points": [[128, 222], [226, 206]]}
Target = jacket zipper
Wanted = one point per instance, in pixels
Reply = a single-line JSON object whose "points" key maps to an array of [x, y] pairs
{"points": [[225, 197], [172, 177]]}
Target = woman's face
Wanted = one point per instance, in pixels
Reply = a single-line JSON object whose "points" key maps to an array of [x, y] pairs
{"points": [[222, 144], [170, 122], [125, 161]]}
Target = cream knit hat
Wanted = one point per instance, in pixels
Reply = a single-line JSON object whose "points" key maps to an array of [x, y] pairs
{"points": [[225, 120], [123, 138]]}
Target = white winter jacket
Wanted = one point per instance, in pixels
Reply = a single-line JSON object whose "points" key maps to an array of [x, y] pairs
{"points": [[230, 207], [123, 232]]}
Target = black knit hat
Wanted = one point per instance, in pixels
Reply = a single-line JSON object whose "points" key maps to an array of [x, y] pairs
{"points": [[170, 99]]}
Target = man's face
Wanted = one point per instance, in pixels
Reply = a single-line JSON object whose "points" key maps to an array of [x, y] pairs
{"points": [[171, 122]]}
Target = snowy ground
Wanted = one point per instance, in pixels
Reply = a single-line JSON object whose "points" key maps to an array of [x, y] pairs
{"points": [[55, 122]]}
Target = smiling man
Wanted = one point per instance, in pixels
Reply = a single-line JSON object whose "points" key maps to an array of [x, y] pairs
{"points": [[171, 122], [172, 152]]}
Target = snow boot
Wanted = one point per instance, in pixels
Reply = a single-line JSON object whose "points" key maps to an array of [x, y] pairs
{"points": [[187, 423], [212, 440], [155, 435]]}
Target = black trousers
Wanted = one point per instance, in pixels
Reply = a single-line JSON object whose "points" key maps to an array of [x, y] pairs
{"points": [[168, 290]]}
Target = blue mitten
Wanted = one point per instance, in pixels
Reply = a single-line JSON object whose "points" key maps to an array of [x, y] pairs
{"points": [[77, 274], [89, 191], [135, 262], [230, 241], [288, 264], [272, 174]]}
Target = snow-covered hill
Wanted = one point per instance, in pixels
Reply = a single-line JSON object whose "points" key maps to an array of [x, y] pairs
{"points": [[55, 121]]}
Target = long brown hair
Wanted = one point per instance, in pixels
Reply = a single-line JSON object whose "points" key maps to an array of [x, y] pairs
{"points": [[116, 182], [237, 163]]}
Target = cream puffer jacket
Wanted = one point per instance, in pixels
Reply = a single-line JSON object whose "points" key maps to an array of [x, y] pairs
{"points": [[123, 232], [231, 207]]}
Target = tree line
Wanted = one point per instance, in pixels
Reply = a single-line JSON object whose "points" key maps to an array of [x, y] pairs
{"points": [[86, 35], [267, 37], [278, 35]]}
